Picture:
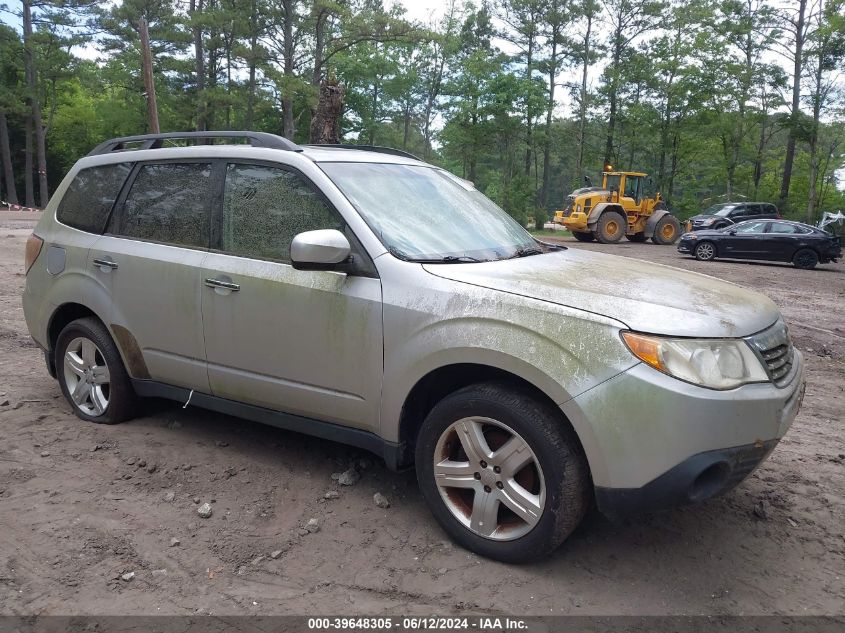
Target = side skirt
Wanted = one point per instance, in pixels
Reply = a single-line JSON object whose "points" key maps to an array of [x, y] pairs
{"points": [[391, 452]]}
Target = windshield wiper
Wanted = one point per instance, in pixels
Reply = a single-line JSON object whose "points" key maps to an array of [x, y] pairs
{"points": [[449, 259], [526, 252]]}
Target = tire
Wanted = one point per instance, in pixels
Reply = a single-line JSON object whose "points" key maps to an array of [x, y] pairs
{"points": [[805, 258], [86, 355], [667, 230], [611, 227], [554, 479], [637, 237], [705, 251], [583, 237]]}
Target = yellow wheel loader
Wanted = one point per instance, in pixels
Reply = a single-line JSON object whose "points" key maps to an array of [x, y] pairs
{"points": [[620, 207]]}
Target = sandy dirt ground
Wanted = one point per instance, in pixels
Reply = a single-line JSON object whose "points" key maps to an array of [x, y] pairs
{"points": [[81, 505]]}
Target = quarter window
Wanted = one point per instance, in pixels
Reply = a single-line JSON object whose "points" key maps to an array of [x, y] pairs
{"points": [[265, 207], [91, 195], [170, 203], [787, 229]]}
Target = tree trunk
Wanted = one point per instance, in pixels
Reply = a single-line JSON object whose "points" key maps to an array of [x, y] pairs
{"points": [[529, 135], [796, 104], [612, 97], [29, 192], [34, 104], [325, 123], [6, 158], [582, 107], [287, 100], [149, 81], [253, 43], [195, 8], [547, 145]]}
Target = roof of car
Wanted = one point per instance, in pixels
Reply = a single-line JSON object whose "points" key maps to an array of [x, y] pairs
{"points": [[199, 144]]}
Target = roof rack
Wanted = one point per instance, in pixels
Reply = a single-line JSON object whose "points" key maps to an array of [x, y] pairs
{"points": [[155, 141], [369, 148]]}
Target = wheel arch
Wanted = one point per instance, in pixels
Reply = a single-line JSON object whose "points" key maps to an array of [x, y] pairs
{"points": [[715, 246], [447, 379], [64, 314], [601, 208], [125, 343], [652, 221]]}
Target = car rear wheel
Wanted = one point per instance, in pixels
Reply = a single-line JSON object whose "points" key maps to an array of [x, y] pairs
{"points": [[666, 231], [805, 258], [583, 237], [611, 227], [502, 473], [91, 373]]}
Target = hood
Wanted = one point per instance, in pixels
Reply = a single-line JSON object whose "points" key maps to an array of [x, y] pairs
{"points": [[644, 296], [705, 216]]}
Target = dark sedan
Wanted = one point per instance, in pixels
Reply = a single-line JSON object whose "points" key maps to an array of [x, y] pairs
{"points": [[770, 240]]}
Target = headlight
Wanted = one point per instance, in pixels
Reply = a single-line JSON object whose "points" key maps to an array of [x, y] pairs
{"points": [[712, 363], [708, 221]]}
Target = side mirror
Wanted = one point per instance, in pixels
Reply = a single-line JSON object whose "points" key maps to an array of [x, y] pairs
{"points": [[732, 232], [325, 249]]}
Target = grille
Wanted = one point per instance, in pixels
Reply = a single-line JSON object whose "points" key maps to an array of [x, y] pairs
{"points": [[776, 351]]}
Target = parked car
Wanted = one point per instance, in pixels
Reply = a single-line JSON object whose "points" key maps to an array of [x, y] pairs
{"points": [[776, 241], [370, 298], [726, 213]]}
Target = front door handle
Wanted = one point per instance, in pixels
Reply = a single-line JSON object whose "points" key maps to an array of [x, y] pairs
{"points": [[105, 263], [219, 283]]}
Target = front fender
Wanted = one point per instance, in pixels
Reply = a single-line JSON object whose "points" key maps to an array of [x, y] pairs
{"points": [[600, 208], [652, 221], [561, 351]]}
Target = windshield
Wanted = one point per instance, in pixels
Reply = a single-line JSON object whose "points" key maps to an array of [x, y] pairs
{"points": [[612, 182], [420, 213], [721, 210]]}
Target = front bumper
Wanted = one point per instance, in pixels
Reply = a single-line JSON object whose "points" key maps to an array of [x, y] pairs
{"points": [[695, 479], [653, 441], [685, 246]]}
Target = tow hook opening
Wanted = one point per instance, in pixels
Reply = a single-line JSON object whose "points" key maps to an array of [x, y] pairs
{"points": [[710, 481]]}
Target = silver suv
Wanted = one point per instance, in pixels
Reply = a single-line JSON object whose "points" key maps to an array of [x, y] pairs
{"points": [[369, 298]]}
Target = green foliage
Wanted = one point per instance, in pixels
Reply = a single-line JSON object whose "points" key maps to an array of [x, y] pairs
{"points": [[689, 92]]}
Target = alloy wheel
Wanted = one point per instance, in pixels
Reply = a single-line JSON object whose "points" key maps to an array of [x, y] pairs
{"points": [[86, 376], [705, 251], [489, 478]]}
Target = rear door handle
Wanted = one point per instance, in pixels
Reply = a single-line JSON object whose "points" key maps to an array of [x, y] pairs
{"points": [[219, 283], [105, 263]]}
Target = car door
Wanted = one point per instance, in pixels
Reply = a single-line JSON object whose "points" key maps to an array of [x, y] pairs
{"points": [[152, 254], [782, 240], [743, 240], [303, 342]]}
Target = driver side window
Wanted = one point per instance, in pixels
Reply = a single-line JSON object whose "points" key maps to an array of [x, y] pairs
{"points": [[265, 207], [752, 227]]}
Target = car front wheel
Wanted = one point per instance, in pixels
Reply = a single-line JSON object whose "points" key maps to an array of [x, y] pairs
{"points": [[705, 251], [502, 473]]}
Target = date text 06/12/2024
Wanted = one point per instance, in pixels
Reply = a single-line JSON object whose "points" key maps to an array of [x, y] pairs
{"points": [[417, 623]]}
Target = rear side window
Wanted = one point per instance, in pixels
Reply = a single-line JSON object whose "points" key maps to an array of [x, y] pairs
{"points": [[170, 203], [265, 207], [90, 196]]}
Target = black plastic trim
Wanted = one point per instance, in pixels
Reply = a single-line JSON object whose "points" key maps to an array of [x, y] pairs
{"points": [[391, 452], [677, 485]]}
